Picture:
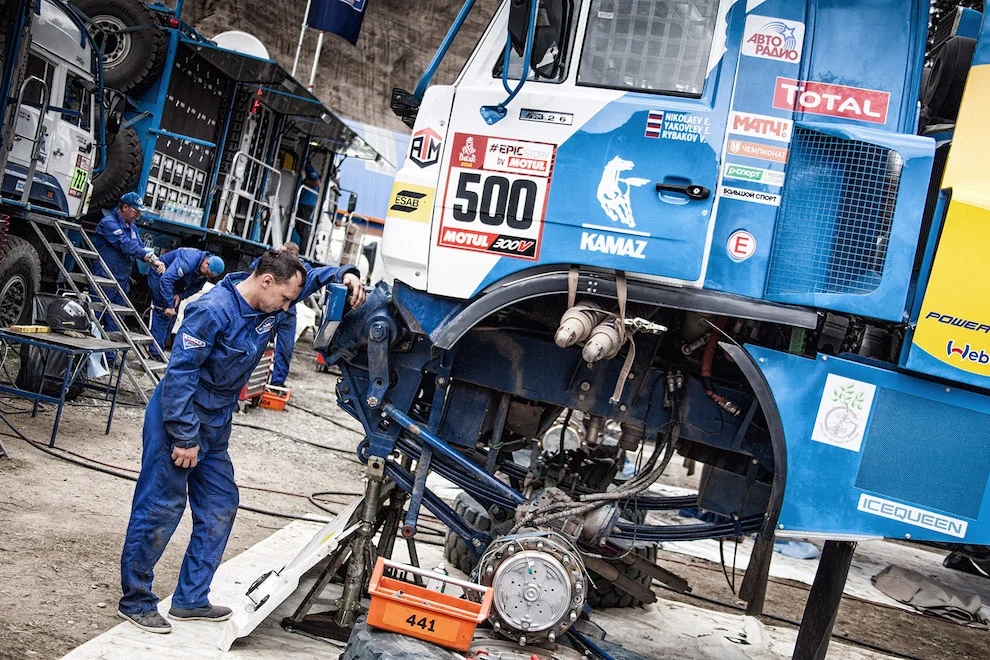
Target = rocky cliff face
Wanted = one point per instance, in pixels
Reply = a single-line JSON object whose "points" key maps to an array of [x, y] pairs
{"points": [[398, 39]]}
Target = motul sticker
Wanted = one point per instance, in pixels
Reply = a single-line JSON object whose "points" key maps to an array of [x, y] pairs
{"points": [[749, 195], [831, 100], [496, 195], [760, 151], [772, 128], [773, 39]]}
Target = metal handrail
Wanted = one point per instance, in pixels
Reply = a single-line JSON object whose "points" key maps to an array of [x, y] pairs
{"points": [[251, 196], [303, 249], [36, 148]]}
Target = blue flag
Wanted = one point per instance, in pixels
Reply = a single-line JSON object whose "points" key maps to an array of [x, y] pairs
{"points": [[341, 17]]}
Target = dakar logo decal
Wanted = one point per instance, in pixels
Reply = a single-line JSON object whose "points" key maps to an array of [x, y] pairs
{"points": [[468, 152]]}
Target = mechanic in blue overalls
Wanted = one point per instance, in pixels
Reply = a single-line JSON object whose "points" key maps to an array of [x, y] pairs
{"points": [[186, 428], [119, 243], [186, 269]]}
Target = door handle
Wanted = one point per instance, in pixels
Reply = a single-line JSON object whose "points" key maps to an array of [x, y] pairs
{"points": [[691, 190]]}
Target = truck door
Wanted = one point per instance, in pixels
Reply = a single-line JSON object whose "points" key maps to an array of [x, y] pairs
{"points": [[608, 156], [72, 145]]}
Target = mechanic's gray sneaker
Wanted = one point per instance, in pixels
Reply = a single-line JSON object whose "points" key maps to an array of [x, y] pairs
{"points": [[152, 621], [211, 613]]}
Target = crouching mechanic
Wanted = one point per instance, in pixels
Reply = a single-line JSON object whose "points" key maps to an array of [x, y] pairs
{"points": [[186, 269], [186, 429]]}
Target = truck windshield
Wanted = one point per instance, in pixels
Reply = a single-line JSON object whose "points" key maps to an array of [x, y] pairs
{"points": [[659, 46]]}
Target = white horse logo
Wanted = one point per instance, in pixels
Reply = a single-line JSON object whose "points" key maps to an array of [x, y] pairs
{"points": [[613, 191]]}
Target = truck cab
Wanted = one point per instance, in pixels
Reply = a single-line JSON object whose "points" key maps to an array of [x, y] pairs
{"points": [[54, 131]]}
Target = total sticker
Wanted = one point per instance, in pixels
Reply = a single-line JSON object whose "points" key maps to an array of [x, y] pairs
{"points": [[741, 245]]}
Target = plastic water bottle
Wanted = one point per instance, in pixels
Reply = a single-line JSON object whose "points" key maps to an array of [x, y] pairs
{"points": [[436, 585]]}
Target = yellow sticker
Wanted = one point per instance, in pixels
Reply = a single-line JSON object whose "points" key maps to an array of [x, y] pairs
{"points": [[411, 202], [79, 177], [954, 324]]}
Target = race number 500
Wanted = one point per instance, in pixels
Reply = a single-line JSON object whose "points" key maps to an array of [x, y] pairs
{"points": [[501, 200]]}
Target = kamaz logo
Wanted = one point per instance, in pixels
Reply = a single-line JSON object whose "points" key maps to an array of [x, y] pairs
{"points": [[958, 322], [966, 354], [912, 516], [617, 245]]}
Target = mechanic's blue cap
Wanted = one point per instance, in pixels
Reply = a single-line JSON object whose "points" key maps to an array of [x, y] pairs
{"points": [[216, 265], [311, 172], [134, 200]]}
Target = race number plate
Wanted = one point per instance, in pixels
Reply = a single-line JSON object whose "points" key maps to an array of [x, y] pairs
{"points": [[496, 195]]}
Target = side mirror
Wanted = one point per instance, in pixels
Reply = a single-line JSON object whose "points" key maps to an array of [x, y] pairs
{"points": [[548, 38], [405, 106], [352, 203]]}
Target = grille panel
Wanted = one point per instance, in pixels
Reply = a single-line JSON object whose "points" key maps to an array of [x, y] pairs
{"points": [[835, 217]]}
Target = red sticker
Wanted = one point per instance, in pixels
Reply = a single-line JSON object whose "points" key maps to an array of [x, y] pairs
{"points": [[831, 100], [741, 245]]}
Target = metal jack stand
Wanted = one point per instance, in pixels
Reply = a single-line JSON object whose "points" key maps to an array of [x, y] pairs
{"points": [[358, 555], [823, 601]]}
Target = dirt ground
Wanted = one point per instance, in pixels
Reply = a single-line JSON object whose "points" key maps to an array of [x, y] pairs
{"points": [[62, 526]]}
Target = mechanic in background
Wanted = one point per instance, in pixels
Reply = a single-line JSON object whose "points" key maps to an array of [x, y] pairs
{"points": [[186, 269], [307, 205], [119, 242], [187, 426]]}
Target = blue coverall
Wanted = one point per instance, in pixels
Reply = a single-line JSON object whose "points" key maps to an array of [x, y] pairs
{"points": [[182, 278], [120, 245], [219, 344]]}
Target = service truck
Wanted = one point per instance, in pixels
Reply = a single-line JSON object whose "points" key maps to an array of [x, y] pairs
{"points": [[212, 132]]}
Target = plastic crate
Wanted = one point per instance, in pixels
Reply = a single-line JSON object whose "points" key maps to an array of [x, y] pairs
{"points": [[275, 397], [409, 609]]}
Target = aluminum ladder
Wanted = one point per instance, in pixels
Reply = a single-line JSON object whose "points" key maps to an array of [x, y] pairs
{"points": [[59, 246]]}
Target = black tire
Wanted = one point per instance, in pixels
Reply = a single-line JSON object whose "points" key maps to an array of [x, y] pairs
{"points": [[122, 171], [604, 593], [366, 643], [133, 60], [946, 81], [20, 275], [454, 548]]}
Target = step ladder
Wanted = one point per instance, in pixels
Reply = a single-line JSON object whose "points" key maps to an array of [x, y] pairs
{"points": [[77, 273]]}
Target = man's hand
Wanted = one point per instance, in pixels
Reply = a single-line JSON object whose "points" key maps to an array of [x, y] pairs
{"points": [[353, 283], [170, 312], [158, 265], [185, 458]]}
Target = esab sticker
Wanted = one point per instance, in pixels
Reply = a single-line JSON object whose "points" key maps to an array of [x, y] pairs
{"points": [[411, 202], [496, 195]]}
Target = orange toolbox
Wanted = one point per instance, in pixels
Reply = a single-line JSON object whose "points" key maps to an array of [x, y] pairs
{"points": [[275, 397], [407, 608]]}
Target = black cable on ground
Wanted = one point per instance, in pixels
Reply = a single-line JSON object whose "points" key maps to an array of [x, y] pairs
{"points": [[128, 477], [326, 418], [347, 453], [796, 624]]}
